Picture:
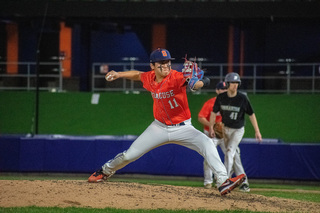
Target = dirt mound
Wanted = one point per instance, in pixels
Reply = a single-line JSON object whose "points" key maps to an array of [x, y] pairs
{"points": [[79, 193]]}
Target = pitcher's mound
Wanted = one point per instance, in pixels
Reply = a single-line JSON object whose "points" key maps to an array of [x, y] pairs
{"points": [[79, 193]]}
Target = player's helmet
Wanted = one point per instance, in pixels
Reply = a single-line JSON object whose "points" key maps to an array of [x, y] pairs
{"points": [[160, 55], [232, 77]]}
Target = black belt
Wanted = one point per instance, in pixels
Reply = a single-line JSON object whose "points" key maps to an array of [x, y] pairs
{"points": [[180, 124]]}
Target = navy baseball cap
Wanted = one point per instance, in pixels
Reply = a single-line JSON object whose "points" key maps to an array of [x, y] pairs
{"points": [[160, 55], [221, 85]]}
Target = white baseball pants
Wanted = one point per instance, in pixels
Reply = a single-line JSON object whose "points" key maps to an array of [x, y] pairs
{"points": [[158, 134], [232, 159], [237, 166]]}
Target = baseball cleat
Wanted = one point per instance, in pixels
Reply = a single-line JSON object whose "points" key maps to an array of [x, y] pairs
{"points": [[98, 176], [231, 183], [244, 188]]}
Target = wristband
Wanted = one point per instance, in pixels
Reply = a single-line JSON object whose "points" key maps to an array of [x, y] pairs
{"points": [[206, 81]]}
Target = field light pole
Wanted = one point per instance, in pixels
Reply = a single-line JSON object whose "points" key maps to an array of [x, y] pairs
{"points": [[36, 114]]}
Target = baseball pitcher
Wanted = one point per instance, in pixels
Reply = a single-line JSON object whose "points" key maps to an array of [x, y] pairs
{"points": [[172, 122]]}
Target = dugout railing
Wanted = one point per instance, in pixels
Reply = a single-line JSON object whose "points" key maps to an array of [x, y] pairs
{"points": [[24, 74], [256, 77]]}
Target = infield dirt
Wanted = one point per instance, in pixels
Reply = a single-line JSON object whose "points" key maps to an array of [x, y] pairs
{"points": [[79, 193]]}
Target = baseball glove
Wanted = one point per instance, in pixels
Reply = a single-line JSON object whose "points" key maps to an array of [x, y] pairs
{"points": [[192, 73], [190, 69], [218, 130]]}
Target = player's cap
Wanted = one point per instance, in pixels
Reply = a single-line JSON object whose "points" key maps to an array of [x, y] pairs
{"points": [[160, 55], [221, 85]]}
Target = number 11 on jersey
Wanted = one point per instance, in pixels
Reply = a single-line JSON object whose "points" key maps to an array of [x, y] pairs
{"points": [[174, 104]]}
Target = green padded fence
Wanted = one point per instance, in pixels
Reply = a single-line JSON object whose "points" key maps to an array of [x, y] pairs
{"points": [[291, 118]]}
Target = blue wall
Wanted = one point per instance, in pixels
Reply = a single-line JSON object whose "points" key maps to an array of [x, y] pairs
{"points": [[56, 153], [115, 46]]}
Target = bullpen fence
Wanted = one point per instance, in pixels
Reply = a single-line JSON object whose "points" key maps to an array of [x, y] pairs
{"points": [[284, 77], [270, 159], [256, 78], [24, 76]]}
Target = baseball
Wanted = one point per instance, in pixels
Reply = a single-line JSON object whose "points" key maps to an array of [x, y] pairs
{"points": [[109, 78]]}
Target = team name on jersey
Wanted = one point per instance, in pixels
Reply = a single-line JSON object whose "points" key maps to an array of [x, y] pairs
{"points": [[162, 95], [230, 108]]}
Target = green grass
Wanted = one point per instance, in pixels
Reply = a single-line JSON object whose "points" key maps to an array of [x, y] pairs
{"points": [[288, 186], [289, 191]]}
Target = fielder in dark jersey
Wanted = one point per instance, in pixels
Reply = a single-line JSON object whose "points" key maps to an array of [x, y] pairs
{"points": [[233, 106], [233, 109]]}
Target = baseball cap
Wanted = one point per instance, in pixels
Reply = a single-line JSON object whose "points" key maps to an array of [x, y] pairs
{"points": [[221, 85], [160, 55]]}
